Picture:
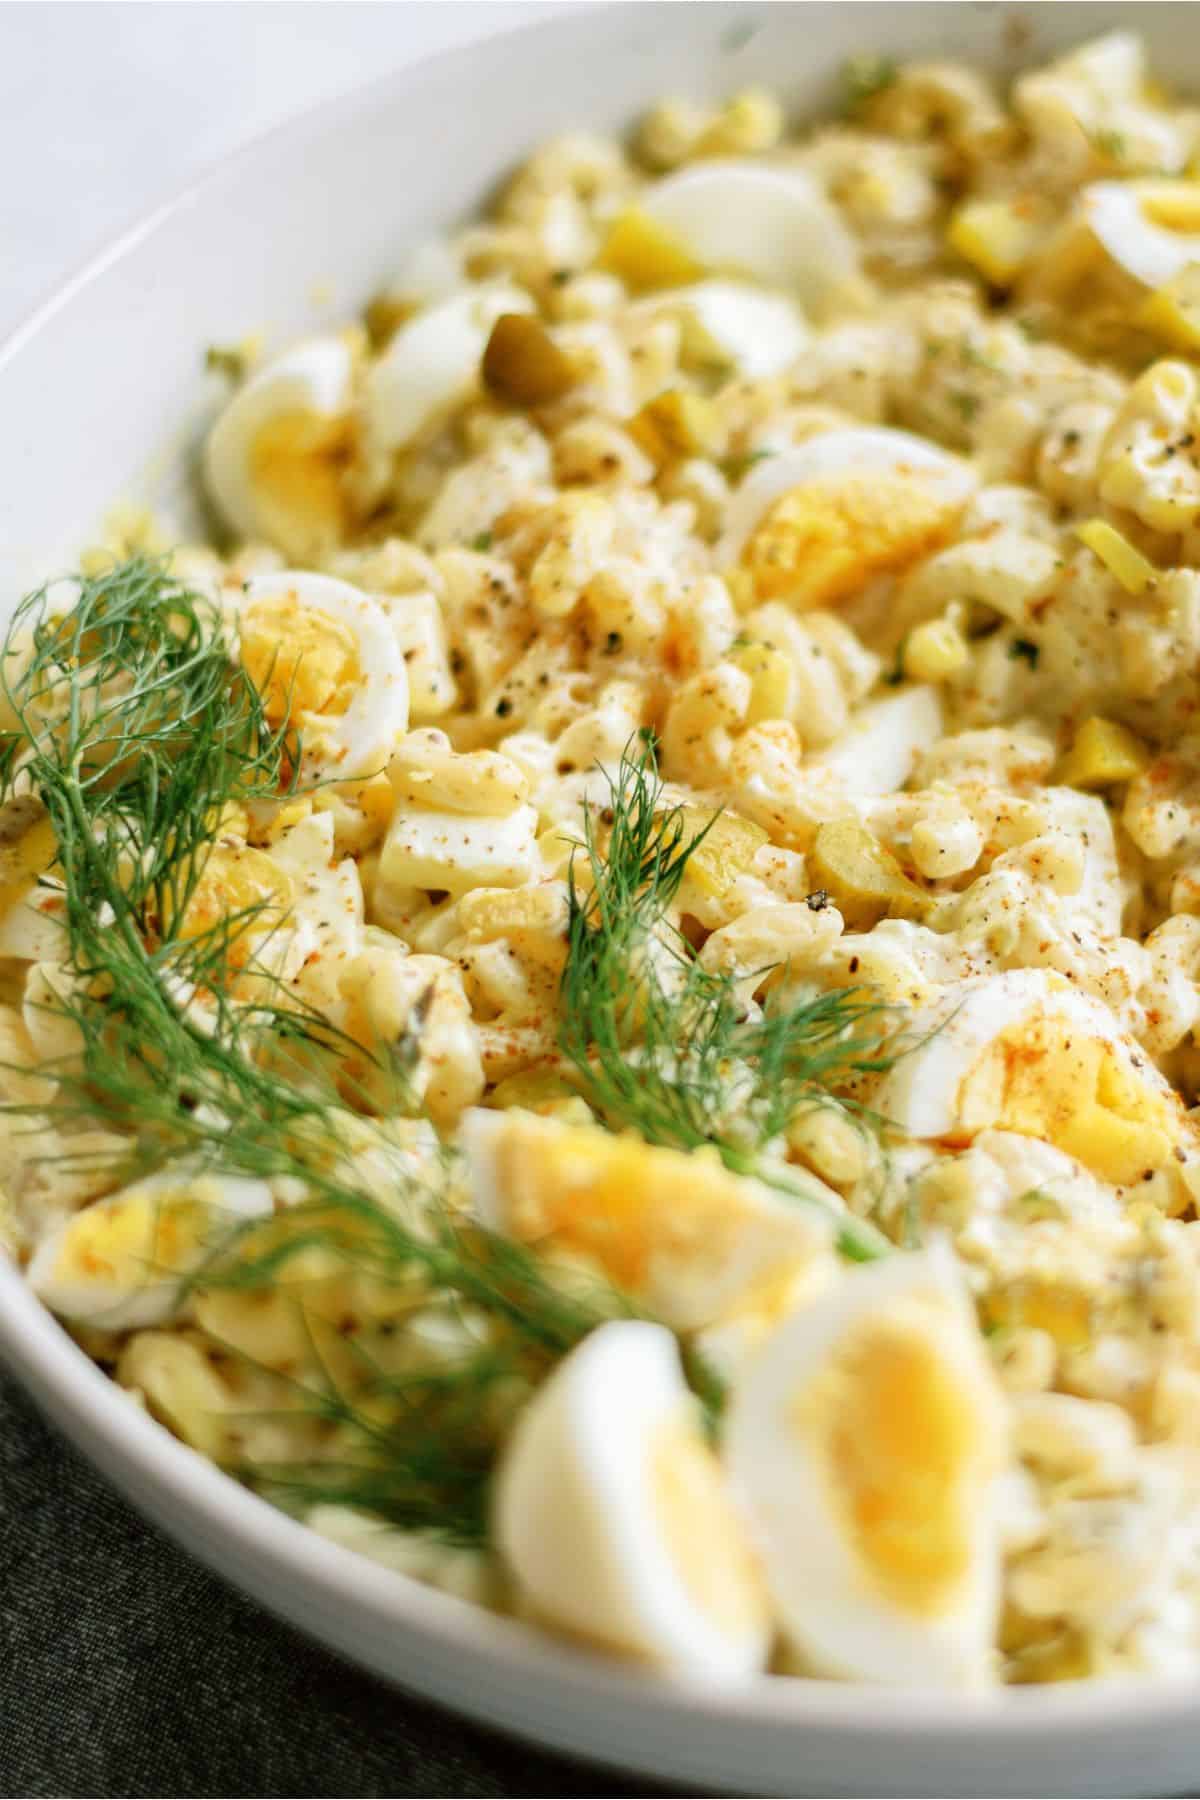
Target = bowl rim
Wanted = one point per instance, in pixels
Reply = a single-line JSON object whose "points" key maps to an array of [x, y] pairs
{"points": [[291, 1558]]}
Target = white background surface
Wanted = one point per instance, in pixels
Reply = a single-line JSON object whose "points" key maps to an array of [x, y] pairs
{"points": [[106, 108]]}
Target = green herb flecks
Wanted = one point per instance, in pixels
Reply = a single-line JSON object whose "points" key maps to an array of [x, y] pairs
{"points": [[665, 1047], [221, 359], [865, 76], [734, 467]]}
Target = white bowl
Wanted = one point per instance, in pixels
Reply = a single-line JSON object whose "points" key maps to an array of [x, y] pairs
{"points": [[101, 396]]}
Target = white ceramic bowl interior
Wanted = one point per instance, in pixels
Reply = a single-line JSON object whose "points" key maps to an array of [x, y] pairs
{"points": [[102, 397]]}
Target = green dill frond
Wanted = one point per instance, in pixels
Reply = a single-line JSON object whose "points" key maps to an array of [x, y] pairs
{"points": [[669, 1049], [133, 727]]}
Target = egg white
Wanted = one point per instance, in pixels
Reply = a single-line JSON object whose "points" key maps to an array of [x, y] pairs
{"points": [[358, 742], [857, 450], [753, 332], [774, 225], [432, 362], [1152, 253], [315, 380], [612, 1516], [834, 1600], [119, 1262]]}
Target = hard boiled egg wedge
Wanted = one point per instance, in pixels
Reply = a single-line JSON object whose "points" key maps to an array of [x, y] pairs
{"points": [[864, 1439], [432, 363], [1024, 1052], [118, 1264], [273, 460], [774, 225], [325, 659], [613, 1516], [1151, 229], [813, 523], [679, 1233]]}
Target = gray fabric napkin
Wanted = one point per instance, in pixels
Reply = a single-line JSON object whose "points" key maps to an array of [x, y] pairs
{"points": [[127, 1669]]}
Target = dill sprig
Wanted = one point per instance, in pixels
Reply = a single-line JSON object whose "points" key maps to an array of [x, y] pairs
{"points": [[135, 728], [665, 1047], [132, 725]]}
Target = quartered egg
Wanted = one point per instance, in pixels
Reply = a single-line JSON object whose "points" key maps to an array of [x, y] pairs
{"points": [[325, 659], [864, 1440], [1151, 229], [118, 1263], [679, 1233], [1024, 1052], [273, 461], [613, 1516], [814, 523], [432, 362], [238, 883], [774, 225]]}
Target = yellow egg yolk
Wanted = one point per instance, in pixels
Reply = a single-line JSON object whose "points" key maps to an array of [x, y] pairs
{"points": [[134, 1238], [618, 1201], [237, 881], [703, 1534], [1046, 1078], [296, 465], [906, 1445], [300, 660], [23, 859], [822, 542]]}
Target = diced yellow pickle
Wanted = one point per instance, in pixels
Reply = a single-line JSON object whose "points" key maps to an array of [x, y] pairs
{"points": [[771, 674], [935, 651], [522, 363], [997, 237], [1172, 313], [676, 424], [644, 255], [727, 852], [862, 876], [1134, 571], [1103, 752]]}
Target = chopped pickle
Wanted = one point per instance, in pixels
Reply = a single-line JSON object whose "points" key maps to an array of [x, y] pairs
{"points": [[862, 876], [997, 237], [727, 851], [1134, 571], [674, 425], [1103, 752], [522, 363], [644, 255]]}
